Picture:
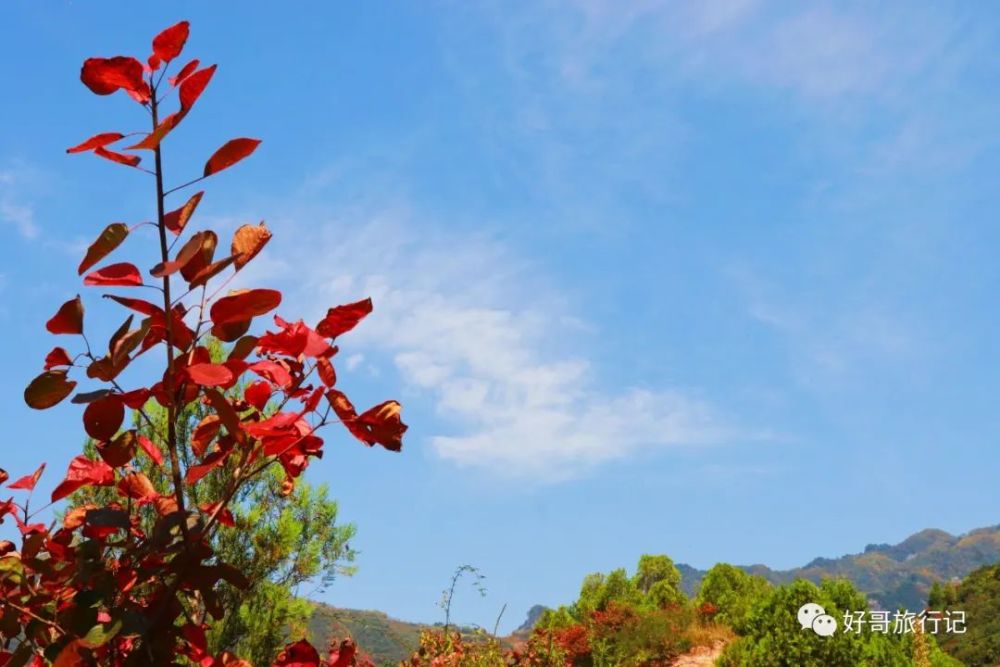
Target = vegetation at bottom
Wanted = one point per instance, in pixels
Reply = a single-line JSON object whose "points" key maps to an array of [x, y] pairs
{"points": [[978, 595], [736, 618]]}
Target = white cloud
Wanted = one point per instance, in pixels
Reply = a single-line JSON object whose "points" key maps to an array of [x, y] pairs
{"points": [[819, 50], [477, 332], [13, 211]]}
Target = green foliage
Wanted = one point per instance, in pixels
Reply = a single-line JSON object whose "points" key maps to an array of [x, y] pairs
{"points": [[280, 542], [979, 597], [772, 636], [652, 570], [732, 592]]}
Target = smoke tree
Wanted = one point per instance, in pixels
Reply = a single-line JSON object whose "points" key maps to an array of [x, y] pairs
{"points": [[101, 586]]}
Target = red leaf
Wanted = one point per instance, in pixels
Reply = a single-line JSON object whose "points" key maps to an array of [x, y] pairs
{"points": [[168, 44], [106, 75], [224, 409], [83, 472], [110, 238], [384, 424], [342, 319], [225, 516], [210, 375], [120, 158], [119, 451], [184, 73], [193, 86], [380, 425], [191, 89], [57, 357], [123, 274], [68, 319], [138, 305], [258, 394], [138, 487], [28, 482], [231, 152], [326, 372], [344, 655], [204, 433], [201, 249], [152, 451], [273, 371], [207, 273], [175, 220], [153, 139], [103, 417], [299, 654], [48, 389], [244, 305], [136, 398], [212, 461], [96, 141]]}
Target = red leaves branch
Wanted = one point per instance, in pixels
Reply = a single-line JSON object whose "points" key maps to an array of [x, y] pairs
{"points": [[151, 574]]}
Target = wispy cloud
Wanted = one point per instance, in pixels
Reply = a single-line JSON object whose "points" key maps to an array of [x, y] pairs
{"points": [[473, 328], [829, 343], [13, 210]]}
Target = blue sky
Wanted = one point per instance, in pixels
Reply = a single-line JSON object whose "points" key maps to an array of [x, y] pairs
{"points": [[716, 280]]}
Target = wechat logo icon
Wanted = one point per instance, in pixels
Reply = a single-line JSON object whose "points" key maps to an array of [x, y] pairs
{"points": [[813, 616]]}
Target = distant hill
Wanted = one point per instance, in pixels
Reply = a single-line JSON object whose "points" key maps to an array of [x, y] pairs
{"points": [[891, 576], [386, 639]]}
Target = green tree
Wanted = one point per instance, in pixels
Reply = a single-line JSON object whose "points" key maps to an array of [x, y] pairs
{"points": [[654, 569], [284, 537], [659, 581], [733, 592], [978, 596], [773, 637]]}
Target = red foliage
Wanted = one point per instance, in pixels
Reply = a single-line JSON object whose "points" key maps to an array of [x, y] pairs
{"points": [[574, 640], [99, 589]]}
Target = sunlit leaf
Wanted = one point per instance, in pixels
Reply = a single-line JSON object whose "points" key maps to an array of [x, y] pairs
{"points": [[244, 305], [106, 75], [231, 152], [209, 375], [57, 357], [122, 274], [248, 241], [83, 472], [151, 449], [200, 249], [28, 482], [138, 487], [168, 44], [96, 141], [110, 238], [341, 319], [193, 86], [184, 73], [120, 158]]}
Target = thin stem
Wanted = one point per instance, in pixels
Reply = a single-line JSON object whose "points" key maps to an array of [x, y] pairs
{"points": [[175, 465], [184, 185], [28, 612]]}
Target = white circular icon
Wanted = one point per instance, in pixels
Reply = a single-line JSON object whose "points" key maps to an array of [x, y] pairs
{"points": [[808, 613], [824, 625]]}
